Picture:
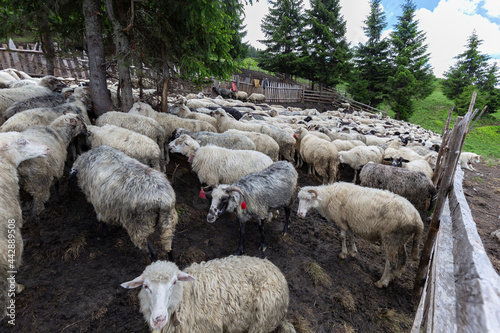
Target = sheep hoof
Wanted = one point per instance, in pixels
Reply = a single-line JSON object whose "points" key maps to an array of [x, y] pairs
{"points": [[380, 284], [353, 253], [342, 255], [19, 288], [263, 247]]}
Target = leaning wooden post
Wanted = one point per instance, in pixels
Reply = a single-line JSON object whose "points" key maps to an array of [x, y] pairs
{"points": [[451, 155]]}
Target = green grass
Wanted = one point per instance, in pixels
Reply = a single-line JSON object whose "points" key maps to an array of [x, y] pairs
{"points": [[484, 139]]}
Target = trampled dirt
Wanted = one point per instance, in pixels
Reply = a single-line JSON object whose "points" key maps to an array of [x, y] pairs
{"points": [[73, 278]]}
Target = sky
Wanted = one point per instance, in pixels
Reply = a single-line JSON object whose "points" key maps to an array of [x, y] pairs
{"points": [[447, 24]]}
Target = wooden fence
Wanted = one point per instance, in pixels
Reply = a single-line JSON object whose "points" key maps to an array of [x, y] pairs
{"points": [[32, 61]]}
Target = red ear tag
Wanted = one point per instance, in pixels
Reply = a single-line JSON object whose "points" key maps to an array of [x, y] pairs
{"points": [[243, 205], [294, 136], [191, 157], [202, 194]]}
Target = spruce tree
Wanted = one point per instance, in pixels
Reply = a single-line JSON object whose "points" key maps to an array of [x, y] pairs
{"points": [[326, 51], [283, 27], [412, 74], [368, 83]]}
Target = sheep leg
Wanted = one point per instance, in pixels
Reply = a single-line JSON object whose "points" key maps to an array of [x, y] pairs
{"points": [[263, 244], [152, 252], [401, 260], [343, 254], [390, 256], [239, 252], [354, 250], [287, 220]]}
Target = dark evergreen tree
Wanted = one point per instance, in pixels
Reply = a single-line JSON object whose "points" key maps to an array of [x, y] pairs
{"points": [[325, 53], [412, 75], [368, 83], [239, 50], [471, 73], [283, 28]]}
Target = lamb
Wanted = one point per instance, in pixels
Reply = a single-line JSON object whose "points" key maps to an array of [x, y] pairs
{"points": [[135, 145], [231, 294], [126, 192], [215, 165], [257, 98], [412, 185], [361, 155], [37, 176], [466, 159], [139, 124], [364, 212], [170, 122], [263, 143], [257, 195], [224, 140], [14, 149], [46, 86]]}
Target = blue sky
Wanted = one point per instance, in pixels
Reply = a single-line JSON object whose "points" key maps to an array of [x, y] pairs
{"points": [[447, 24]]}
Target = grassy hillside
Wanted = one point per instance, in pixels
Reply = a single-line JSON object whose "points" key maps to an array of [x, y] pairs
{"points": [[484, 139]]}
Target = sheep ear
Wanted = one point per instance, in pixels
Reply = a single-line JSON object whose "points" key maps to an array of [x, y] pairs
{"points": [[319, 199], [406, 161], [137, 282], [181, 276]]}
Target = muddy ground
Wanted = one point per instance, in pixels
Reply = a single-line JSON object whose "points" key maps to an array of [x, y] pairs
{"points": [[73, 278]]}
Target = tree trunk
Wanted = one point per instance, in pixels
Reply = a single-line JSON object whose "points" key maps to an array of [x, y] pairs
{"points": [[47, 42], [165, 77], [99, 92], [123, 58]]}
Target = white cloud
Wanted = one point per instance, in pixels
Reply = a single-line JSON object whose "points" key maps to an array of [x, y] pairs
{"points": [[253, 19], [448, 28], [492, 7], [355, 12]]}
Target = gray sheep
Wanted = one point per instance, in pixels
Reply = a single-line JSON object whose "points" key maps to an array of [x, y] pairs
{"points": [[373, 214], [257, 195], [126, 192], [14, 149], [232, 294], [412, 185]]}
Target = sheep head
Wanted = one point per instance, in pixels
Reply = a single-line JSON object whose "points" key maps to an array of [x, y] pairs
{"points": [[309, 198], [161, 292], [224, 199]]}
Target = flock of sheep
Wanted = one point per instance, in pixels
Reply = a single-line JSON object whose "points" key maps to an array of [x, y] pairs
{"points": [[246, 153]]}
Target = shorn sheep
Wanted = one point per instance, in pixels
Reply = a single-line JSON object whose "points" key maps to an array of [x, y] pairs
{"points": [[257, 195], [360, 155], [263, 143], [234, 294], [216, 165], [373, 214], [412, 185], [14, 148], [135, 145], [126, 192]]}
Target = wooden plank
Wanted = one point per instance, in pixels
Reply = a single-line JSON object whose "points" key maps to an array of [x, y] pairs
{"points": [[3, 54]]}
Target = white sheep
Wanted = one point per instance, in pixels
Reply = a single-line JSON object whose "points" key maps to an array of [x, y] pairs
{"points": [[14, 149], [257, 98], [37, 176], [126, 192], [361, 155], [263, 143], [232, 294], [170, 122], [184, 112], [46, 86], [373, 214], [140, 124], [215, 165], [135, 145]]}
